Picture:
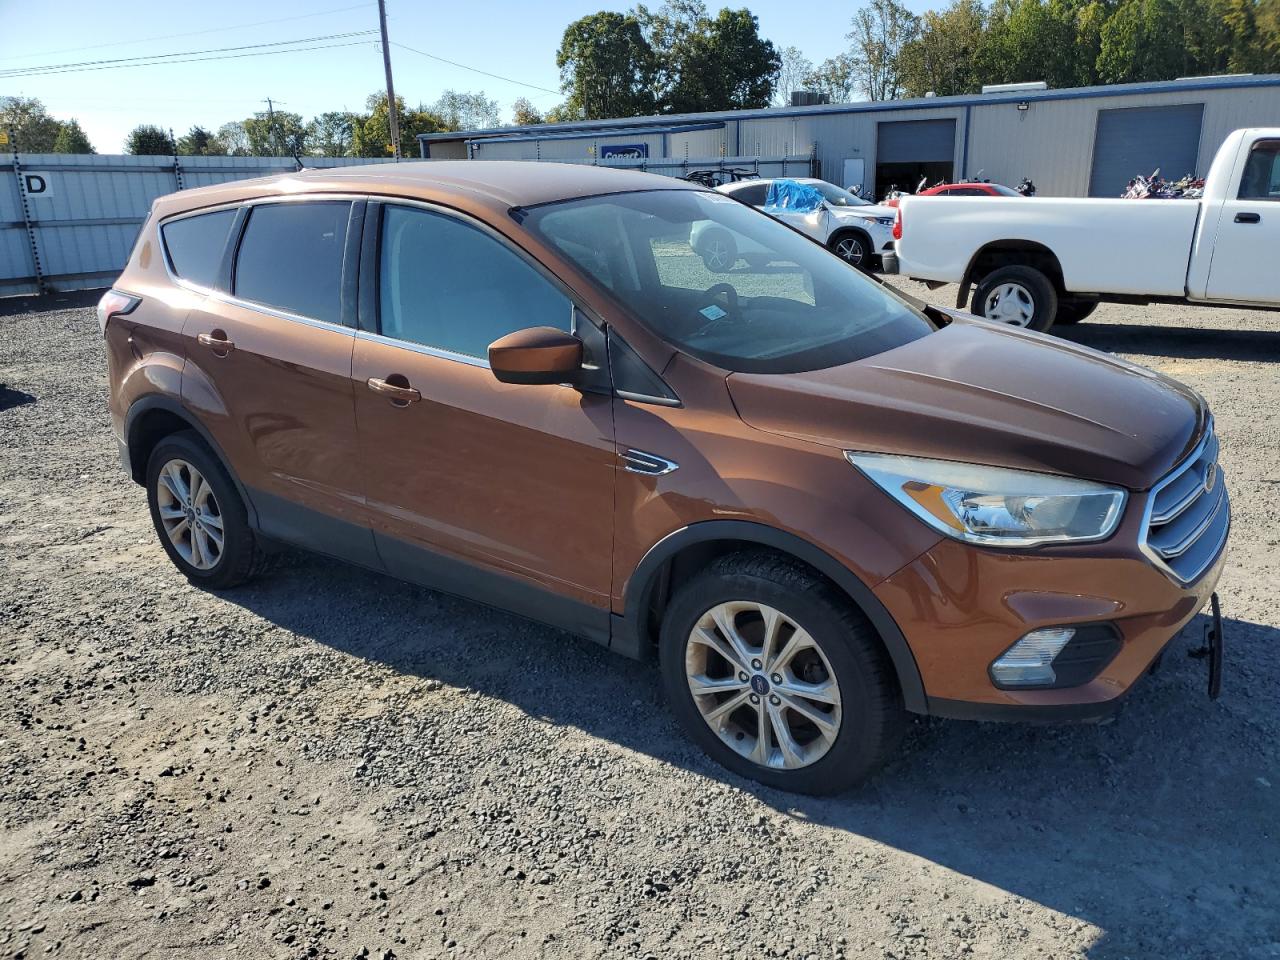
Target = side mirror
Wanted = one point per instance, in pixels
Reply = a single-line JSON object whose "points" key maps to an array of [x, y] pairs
{"points": [[536, 355]]}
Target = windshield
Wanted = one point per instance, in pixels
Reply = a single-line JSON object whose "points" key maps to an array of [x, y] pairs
{"points": [[836, 196], [726, 283]]}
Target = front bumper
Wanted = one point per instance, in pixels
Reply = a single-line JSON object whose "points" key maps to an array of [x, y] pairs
{"points": [[960, 607]]}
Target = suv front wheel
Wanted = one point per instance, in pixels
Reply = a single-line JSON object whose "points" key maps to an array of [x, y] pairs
{"points": [[198, 514], [777, 676]]}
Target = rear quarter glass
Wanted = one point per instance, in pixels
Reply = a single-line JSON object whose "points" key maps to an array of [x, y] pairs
{"points": [[195, 245]]}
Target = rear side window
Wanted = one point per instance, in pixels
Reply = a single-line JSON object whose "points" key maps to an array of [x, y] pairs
{"points": [[1261, 180], [446, 284], [756, 194], [196, 244], [291, 257]]}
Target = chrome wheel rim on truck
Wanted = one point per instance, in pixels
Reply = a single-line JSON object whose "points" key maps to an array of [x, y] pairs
{"points": [[1010, 303], [763, 685], [190, 514]]}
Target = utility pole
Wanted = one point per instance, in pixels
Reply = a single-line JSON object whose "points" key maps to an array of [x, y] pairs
{"points": [[392, 115], [270, 124]]}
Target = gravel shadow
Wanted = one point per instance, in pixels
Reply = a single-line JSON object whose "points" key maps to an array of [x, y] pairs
{"points": [[1187, 342], [1096, 822]]}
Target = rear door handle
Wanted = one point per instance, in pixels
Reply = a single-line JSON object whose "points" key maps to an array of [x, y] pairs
{"points": [[217, 340], [1248, 218], [397, 393]]}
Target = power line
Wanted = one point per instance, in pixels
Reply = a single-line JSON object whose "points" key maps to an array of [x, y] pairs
{"points": [[463, 66], [234, 56], [161, 57], [191, 33]]}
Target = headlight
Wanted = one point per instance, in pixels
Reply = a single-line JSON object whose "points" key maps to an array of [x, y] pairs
{"points": [[994, 506]]}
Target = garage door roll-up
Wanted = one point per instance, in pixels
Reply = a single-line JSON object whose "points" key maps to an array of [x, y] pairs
{"points": [[1135, 140], [916, 141]]}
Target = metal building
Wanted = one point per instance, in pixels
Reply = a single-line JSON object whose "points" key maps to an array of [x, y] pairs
{"points": [[1085, 141]]}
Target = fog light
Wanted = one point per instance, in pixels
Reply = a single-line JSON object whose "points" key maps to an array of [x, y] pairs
{"points": [[1029, 662]]}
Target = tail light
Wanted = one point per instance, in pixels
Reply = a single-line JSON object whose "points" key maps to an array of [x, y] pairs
{"points": [[115, 303], [897, 224]]}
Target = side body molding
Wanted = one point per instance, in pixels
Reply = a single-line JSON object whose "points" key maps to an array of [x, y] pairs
{"points": [[630, 630]]}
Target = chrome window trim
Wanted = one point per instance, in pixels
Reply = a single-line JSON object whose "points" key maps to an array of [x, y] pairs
{"points": [[645, 398], [277, 313], [421, 348], [1185, 463]]}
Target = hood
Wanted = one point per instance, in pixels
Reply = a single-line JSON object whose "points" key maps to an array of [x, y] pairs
{"points": [[988, 394]]}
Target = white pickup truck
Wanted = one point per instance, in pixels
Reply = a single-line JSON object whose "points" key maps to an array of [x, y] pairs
{"points": [[1031, 261]]}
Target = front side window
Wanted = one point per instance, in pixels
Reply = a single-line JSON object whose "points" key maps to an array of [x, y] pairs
{"points": [[196, 244], [449, 285], [291, 257], [726, 283], [1261, 180]]}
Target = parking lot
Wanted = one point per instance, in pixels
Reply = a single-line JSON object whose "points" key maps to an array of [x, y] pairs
{"points": [[332, 763]]}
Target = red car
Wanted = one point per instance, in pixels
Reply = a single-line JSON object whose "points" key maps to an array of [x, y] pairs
{"points": [[963, 190]]}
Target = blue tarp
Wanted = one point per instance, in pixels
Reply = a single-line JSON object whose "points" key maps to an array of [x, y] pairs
{"points": [[792, 195]]}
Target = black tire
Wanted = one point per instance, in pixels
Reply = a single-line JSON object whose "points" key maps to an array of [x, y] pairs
{"points": [[1073, 311], [241, 557], [872, 719], [718, 251], [843, 244], [1037, 288]]}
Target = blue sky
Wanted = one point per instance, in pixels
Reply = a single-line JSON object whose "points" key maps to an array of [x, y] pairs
{"points": [[512, 38]]}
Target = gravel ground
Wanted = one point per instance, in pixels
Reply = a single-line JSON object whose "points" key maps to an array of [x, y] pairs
{"points": [[331, 763]]}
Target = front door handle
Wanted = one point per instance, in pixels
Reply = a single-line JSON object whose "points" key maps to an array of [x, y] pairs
{"points": [[400, 394], [1248, 218], [217, 341]]}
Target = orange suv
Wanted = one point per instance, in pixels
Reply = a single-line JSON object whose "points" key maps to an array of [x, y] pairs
{"points": [[818, 504]]}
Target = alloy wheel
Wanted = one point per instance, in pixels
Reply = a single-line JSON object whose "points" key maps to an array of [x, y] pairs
{"points": [[716, 254], [850, 249], [1010, 303], [763, 685], [190, 514]]}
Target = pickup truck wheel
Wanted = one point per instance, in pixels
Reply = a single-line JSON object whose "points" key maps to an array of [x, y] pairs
{"points": [[1073, 311], [1018, 295]]}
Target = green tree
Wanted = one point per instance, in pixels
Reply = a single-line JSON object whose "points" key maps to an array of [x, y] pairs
{"points": [[371, 134], [942, 57], [199, 142], [524, 113], [331, 134], [880, 31], [794, 74], [1031, 40], [148, 140], [607, 67], [721, 64], [33, 129], [233, 140], [1143, 40], [276, 134], [836, 77], [72, 139], [460, 110]]}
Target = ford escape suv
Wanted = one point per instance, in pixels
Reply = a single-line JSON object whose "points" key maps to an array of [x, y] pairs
{"points": [[818, 505]]}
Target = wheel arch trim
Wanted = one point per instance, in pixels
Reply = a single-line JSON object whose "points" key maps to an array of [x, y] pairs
{"points": [[639, 589], [152, 403]]}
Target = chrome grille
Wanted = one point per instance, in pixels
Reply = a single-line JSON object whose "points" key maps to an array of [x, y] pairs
{"points": [[1189, 514]]}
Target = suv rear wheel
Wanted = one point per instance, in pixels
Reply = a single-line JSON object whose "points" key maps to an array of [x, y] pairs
{"points": [[198, 514], [777, 676]]}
